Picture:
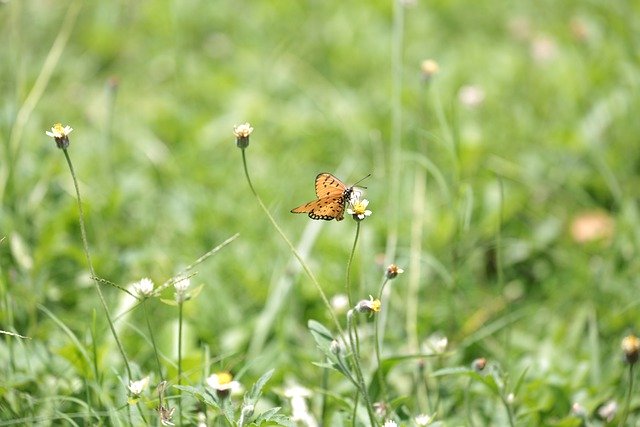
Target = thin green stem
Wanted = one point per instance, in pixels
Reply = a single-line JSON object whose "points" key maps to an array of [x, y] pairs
{"points": [[180, 304], [509, 409], [85, 246], [396, 129], [378, 344], [349, 262], [153, 340], [304, 265], [354, 340], [627, 403]]}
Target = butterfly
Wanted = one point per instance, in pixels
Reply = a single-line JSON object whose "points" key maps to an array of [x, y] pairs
{"points": [[333, 196]]}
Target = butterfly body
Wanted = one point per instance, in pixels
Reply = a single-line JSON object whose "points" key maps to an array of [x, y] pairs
{"points": [[332, 197]]}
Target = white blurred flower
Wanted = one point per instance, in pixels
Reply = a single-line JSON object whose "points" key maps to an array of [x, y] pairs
{"points": [[144, 287], [471, 96], [340, 303], [424, 419], [299, 409], [390, 423], [137, 387]]}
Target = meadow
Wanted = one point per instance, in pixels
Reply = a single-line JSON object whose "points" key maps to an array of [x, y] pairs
{"points": [[151, 272]]}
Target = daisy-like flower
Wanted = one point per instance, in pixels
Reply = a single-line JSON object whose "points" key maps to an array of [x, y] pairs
{"points": [[60, 134], [223, 383], [358, 209], [390, 423], [144, 288], [137, 387], [369, 305], [393, 271], [631, 349], [242, 133]]}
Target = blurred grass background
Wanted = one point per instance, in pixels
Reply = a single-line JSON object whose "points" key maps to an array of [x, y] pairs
{"points": [[530, 122]]}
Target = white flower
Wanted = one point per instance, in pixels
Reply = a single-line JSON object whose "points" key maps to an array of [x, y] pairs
{"points": [[243, 130], [437, 343], [390, 423], [60, 135], [340, 303], [299, 409], [223, 381], [471, 96], [137, 387], [182, 284], [144, 287], [359, 209], [424, 419], [59, 131]]}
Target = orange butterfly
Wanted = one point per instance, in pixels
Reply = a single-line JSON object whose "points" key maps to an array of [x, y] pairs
{"points": [[333, 196]]}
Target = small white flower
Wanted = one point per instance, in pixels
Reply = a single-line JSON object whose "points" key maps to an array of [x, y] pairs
{"points": [[223, 381], [359, 209], [60, 135], [59, 131], [137, 387], [437, 343], [243, 130], [424, 419], [390, 423], [144, 287], [181, 285], [299, 408], [340, 303], [471, 96]]}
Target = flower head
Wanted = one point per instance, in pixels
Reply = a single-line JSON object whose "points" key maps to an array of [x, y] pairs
{"points": [[223, 383], [144, 288], [393, 271], [181, 286], [429, 68], [479, 364], [340, 303], [60, 134], [369, 305], [608, 411], [358, 208], [137, 387], [242, 133], [390, 423], [631, 349], [424, 419]]}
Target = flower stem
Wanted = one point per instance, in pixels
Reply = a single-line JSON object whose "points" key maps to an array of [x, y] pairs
{"points": [[180, 361], [378, 344], [627, 403], [351, 255], [304, 265], [153, 340], [85, 246]]}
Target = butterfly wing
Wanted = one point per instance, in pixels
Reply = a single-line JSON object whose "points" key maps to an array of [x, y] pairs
{"points": [[328, 185], [331, 193]]}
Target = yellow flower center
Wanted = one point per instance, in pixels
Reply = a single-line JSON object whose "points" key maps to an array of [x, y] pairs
{"points": [[224, 378], [376, 305]]}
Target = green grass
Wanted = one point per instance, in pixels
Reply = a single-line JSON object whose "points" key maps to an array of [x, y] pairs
{"points": [[475, 202]]}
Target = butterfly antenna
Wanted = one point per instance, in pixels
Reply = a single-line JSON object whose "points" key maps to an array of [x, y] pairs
{"points": [[360, 180]]}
